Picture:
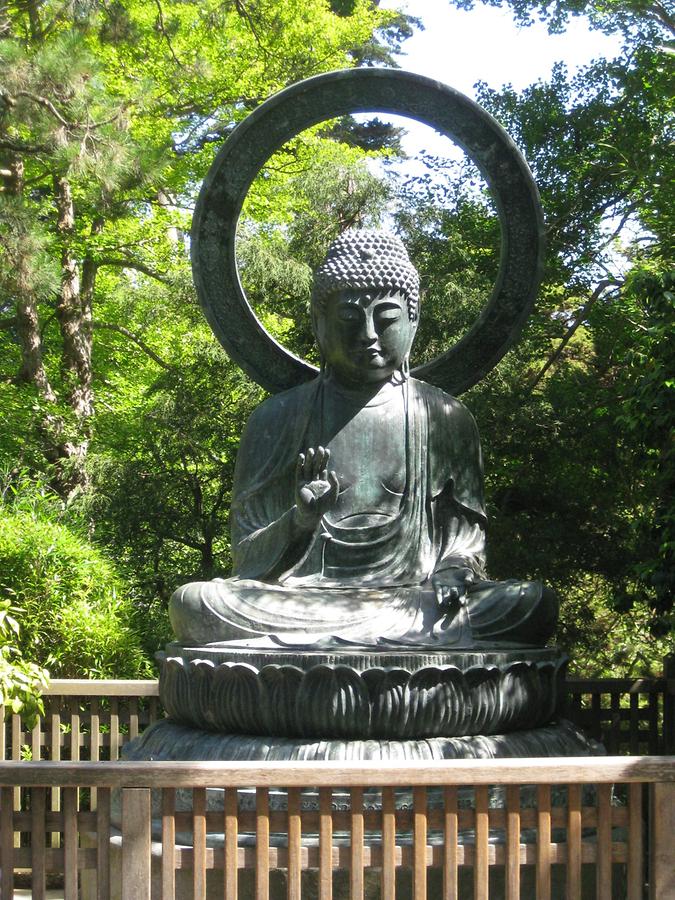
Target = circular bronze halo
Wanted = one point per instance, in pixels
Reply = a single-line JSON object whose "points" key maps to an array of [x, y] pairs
{"points": [[329, 96]]}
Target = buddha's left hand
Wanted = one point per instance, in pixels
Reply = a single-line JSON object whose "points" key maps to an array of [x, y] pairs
{"points": [[451, 585]]}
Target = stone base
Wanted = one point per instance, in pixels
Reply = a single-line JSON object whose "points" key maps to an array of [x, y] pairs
{"points": [[371, 694], [170, 741]]}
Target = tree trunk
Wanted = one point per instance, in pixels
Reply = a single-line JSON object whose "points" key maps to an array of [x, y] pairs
{"points": [[32, 369], [74, 318]]}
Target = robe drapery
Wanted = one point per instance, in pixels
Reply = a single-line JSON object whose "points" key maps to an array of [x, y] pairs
{"points": [[440, 522]]}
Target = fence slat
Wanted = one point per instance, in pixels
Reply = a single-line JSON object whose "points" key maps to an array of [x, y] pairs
{"points": [[635, 874], [136, 843], [55, 757], [168, 844], [543, 842], [294, 844], [262, 844], [662, 870], [95, 722], [94, 742], [615, 732], [70, 842], [596, 706], [133, 718], [103, 844], [114, 728], [573, 841], [356, 844], [420, 843], [36, 740], [325, 844], [451, 835], [481, 873], [634, 724], [17, 735], [6, 841], [75, 729], [513, 842], [199, 842], [655, 744], [231, 840], [603, 865], [38, 809], [388, 844]]}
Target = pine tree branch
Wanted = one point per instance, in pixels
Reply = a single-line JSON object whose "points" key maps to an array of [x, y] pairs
{"points": [[246, 16], [120, 329], [662, 15], [162, 28], [41, 101], [22, 146], [123, 263], [181, 539], [569, 334]]}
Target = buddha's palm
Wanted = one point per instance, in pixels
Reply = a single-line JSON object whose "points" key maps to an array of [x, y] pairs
{"points": [[317, 488]]}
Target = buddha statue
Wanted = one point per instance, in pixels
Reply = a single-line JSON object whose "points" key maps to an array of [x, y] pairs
{"points": [[358, 517]]}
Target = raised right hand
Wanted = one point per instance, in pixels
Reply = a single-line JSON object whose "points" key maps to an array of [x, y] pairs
{"points": [[316, 489]]}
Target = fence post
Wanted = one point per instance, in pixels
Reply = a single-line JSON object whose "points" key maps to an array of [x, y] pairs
{"points": [[136, 843], [669, 705], [6, 841], [661, 868]]}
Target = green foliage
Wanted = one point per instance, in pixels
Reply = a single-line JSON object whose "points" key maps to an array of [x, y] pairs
{"points": [[637, 20], [647, 416], [21, 682], [601, 643], [76, 615]]}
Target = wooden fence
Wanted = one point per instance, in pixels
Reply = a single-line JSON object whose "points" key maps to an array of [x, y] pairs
{"points": [[346, 821], [86, 724], [92, 720], [628, 715], [89, 720]]}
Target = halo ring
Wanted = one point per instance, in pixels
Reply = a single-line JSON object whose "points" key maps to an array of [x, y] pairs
{"points": [[328, 96]]}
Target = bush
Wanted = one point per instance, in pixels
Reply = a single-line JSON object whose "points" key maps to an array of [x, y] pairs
{"points": [[21, 682], [77, 616]]}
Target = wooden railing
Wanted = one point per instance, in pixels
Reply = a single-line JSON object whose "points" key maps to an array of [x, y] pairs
{"points": [[627, 715], [358, 827], [92, 720], [89, 720]]}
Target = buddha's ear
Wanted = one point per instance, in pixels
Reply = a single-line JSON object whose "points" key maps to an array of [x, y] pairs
{"points": [[314, 320], [414, 324]]}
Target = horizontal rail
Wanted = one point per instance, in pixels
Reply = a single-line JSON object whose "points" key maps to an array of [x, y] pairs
{"points": [[150, 687], [621, 685], [71, 687], [578, 770]]}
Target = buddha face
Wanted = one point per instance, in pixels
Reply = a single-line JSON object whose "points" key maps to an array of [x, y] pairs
{"points": [[364, 335]]}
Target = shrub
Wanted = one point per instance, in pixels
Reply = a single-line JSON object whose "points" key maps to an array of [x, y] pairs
{"points": [[77, 616], [20, 681]]}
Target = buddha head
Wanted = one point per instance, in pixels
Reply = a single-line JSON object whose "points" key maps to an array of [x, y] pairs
{"points": [[365, 305]]}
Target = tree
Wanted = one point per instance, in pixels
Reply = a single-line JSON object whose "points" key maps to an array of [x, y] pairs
{"points": [[578, 432], [110, 114], [108, 118]]}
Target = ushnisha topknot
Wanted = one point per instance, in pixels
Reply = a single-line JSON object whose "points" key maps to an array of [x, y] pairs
{"points": [[365, 258]]}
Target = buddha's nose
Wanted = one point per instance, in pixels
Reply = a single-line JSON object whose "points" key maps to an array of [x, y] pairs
{"points": [[367, 333]]}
